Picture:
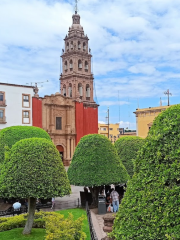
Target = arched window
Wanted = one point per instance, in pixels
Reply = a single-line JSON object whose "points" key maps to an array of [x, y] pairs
{"points": [[87, 92], [86, 66], [71, 44], [65, 66], [64, 90], [70, 90], [67, 46], [84, 46], [79, 64], [71, 65], [80, 90], [79, 45]]}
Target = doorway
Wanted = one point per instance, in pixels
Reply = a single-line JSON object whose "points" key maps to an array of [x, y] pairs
{"points": [[61, 151]]}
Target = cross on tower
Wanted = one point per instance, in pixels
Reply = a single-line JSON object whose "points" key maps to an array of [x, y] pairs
{"points": [[76, 6], [169, 94]]}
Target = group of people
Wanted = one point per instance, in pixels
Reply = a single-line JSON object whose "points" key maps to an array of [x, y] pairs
{"points": [[113, 197]]}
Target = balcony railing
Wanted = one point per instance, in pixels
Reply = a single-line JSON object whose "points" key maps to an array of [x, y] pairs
{"points": [[3, 103], [2, 120]]}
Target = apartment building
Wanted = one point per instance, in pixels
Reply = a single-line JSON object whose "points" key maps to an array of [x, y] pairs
{"points": [[15, 105]]}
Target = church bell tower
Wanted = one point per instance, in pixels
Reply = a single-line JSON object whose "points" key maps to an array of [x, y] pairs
{"points": [[77, 78]]}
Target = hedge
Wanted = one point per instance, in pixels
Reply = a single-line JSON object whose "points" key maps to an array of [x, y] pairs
{"points": [[127, 148], [10, 135], [57, 227], [151, 206]]}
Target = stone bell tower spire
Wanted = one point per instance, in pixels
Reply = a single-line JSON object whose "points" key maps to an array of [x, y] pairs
{"points": [[76, 78]]}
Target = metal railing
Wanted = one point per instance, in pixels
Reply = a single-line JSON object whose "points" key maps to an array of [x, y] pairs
{"points": [[91, 228]]}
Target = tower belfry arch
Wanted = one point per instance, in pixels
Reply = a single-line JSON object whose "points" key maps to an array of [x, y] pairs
{"points": [[76, 63]]}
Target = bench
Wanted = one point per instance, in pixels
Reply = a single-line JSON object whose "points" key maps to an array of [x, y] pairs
{"points": [[11, 211]]}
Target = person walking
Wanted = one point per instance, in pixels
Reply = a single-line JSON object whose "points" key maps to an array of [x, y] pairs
{"points": [[115, 200], [53, 202]]}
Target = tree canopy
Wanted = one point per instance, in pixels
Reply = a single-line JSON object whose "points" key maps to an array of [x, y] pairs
{"points": [[10, 135], [150, 208], [96, 162], [127, 148], [33, 169]]}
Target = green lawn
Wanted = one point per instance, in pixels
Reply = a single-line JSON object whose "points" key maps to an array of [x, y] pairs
{"points": [[39, 234], [16, 234]]}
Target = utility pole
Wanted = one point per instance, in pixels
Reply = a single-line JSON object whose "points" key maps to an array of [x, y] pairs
{"points": [[169, 94], [108, 120]]}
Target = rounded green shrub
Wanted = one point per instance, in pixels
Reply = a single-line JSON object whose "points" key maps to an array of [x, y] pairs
{"points": [[127, 148], [151, 206], [95, 163], [10, 135], [33, 168]]}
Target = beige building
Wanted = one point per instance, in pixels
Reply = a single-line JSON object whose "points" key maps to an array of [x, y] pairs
{"points": [[145, 118], [58, 119], [114, 131]]}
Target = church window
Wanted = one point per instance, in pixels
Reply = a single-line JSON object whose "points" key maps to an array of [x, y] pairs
{"points": [[84, 46], [58, 123], [65, 66], [86, 66], [64, 90], [79, 45], [71, 44], [87, 92], [70, 90], [71, 64], [79, 64], [80, 89], [67, 47]]}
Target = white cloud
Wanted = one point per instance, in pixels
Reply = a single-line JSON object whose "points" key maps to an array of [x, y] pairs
{"points": [[135, 45]]}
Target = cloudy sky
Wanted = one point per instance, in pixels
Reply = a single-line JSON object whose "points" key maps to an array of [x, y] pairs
{"points": [[135, 46]]}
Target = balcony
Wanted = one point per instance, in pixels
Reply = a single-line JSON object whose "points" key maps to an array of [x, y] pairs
{"points": [[2, 120], [3, 103]]}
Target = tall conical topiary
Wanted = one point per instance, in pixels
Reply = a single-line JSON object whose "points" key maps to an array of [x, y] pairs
{"points": [[151, 206], [96, 163], [127, 149]]}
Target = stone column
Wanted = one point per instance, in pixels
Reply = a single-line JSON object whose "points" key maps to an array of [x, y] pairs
{"points": [[68, 148], [51, 118], [72, 147]]}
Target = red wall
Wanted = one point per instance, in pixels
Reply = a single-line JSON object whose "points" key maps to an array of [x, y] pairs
{"points": [[86, 121], [36, 112]]}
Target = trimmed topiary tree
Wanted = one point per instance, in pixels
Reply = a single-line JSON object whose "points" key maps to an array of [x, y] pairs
{"points": [[127, 148], [96, 163], [10, 135], [151, 206], [33, 169]]}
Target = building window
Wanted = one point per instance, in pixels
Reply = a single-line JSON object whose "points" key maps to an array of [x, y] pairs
{"points": [[26, 117], [84, 46], [70, 90], [71, 65], [111, 129], [58, 123], [80, 89], [86, 66], [26, 100], [2, 116], [87, 92], [104, 129], [79, 64], [1, 97]]}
